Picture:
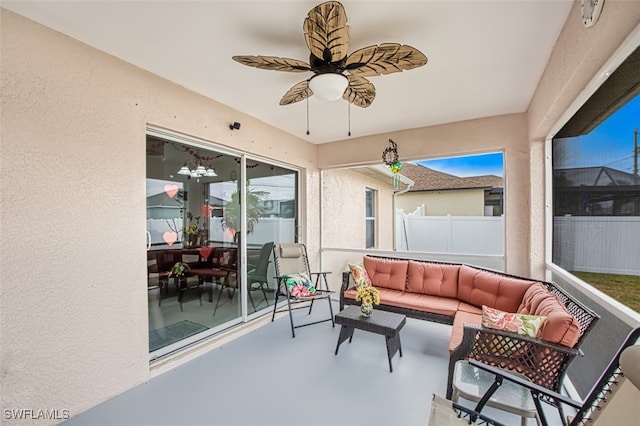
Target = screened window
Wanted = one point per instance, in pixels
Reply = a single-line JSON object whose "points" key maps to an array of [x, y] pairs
{"points": [[596, 197], [370, 217]]}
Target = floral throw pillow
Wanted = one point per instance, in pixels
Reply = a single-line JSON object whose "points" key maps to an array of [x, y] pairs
{"points": [[526, 325], [299, 285], [359, 273]]}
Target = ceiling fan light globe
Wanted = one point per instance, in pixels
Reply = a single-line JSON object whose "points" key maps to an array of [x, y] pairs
{"points": [[329, 86]]}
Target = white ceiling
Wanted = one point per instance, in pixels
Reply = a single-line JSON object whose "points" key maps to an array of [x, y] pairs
{"points": [[485, 57]]}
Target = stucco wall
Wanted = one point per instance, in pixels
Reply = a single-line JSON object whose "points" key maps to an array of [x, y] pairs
{"points": [[464, 202], [73, 301], [73, 318], [343, 213]]}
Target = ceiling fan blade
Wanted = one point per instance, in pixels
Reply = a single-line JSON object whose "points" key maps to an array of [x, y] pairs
{"points": [[326, 31], [273, 63], [360, 91], [297, 93], [385, 58]]}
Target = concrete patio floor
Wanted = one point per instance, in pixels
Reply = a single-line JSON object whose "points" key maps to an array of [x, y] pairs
{"points": [[266, 377]]}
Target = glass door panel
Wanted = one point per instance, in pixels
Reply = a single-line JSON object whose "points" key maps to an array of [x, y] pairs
{"points": [[272, 218], [192, 254]]}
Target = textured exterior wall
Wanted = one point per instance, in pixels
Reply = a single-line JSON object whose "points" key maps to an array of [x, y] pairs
{"points": [[73, 297], [464, 202], [506, 133], [73, 310], [343, 213]]}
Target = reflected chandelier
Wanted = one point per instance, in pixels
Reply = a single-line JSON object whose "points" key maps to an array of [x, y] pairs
{"points": [[196, 169]]}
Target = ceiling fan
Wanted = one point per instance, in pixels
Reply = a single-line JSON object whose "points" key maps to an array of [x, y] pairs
{"points": [[327, 35]]}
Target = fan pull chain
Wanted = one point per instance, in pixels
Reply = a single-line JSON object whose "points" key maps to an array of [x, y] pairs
{"points": [[349, 114], [307, 115]]}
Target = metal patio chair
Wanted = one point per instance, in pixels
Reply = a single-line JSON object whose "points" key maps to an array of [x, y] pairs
{"points": [[613, 400], [291, 259]]}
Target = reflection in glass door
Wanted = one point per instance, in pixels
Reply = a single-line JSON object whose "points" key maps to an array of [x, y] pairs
{"points": [[193, 257], [197, 201], [272, 218]]}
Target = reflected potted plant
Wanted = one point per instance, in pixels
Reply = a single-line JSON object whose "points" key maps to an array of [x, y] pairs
{"points": [[194, 235], [255, 209], [179, 270]]}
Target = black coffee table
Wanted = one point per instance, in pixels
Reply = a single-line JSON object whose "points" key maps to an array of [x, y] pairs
{"points": [[388, 324]]}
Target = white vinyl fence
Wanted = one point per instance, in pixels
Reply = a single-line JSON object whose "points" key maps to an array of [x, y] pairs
{"points": [[267, 229], [602, 244], [478, 235]]}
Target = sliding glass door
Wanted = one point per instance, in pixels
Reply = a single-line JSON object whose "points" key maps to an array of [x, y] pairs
{"points": [[272, 218], [212, 219]]}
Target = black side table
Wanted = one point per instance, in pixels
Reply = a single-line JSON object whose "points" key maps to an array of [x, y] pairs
{"points": [[385, 323]]}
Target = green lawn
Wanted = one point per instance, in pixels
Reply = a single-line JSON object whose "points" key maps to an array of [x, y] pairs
{"points": [[624, 288]]}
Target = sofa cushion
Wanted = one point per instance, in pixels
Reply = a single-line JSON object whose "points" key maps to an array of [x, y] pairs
{"points": [[359, 274], [465, 307], [432, 278], [418, 302], [560, 327], [386, 273], [523, 324], [479, 287], [427, 303], [459, 321]]}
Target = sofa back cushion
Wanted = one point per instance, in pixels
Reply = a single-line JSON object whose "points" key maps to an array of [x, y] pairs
{"points": [[560, 327], [478, 287], [386, 273], [432, 278]]}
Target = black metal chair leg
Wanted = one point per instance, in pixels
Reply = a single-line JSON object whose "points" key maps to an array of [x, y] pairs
{"points": [[275, 305], [293, 333], [218, 301], [251, 299], [264, 293]]}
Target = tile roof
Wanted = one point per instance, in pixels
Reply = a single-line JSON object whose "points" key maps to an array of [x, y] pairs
{"points": [[427, 179], [586, 177]]}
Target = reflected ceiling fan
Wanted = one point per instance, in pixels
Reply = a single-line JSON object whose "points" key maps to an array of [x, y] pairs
{"points": [[327, 35]]}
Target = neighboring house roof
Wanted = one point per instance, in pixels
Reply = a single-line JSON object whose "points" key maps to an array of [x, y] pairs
{"points": [[593, 176], [383, 173], [427, 179]]}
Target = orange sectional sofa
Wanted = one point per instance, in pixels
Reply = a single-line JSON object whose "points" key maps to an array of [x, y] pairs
{"points": [[455, 294]]}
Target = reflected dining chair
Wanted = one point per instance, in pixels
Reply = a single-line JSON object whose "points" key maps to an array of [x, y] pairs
{"points": [[209, 268], [256, 277], [257, 274]]}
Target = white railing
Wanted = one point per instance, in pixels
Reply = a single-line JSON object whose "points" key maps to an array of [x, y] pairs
{"points": [[477, 235], [602, 244]]}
